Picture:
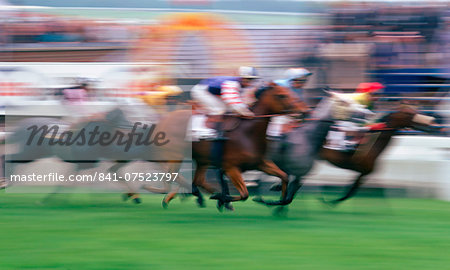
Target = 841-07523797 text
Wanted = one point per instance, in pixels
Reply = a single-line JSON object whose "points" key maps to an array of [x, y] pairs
{"points": [[138, 177]]}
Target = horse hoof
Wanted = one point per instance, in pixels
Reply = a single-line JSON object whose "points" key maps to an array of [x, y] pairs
{"points": [[275, 187], [126, 196], [164, 204], [258, 200], [201, 203], [219, 206], [229, 206], [184, 196], [137, 200]]}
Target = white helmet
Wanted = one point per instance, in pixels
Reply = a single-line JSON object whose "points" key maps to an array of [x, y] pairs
{"points": [[248, 72], [297, 73]]}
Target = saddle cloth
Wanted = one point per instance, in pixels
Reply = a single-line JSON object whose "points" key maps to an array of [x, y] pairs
{"points": [[343, 137], [198, 130]]}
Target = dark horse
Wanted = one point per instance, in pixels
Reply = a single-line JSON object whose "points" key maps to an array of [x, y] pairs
{"points": [[83, 154], [305, 144], [246, 144], [364, 159], [34, 147]]}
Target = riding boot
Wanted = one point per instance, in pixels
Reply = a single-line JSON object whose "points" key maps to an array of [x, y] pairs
{"points": [[283, 144], [220, 131], [217, 150]]}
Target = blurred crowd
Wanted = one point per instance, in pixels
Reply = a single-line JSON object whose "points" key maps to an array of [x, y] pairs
{"points": [[31, 27], [393, 35], [352, 39], [400, 35]]}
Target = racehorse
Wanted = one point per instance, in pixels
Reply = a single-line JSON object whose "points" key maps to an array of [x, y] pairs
{"points": [[245, 146], [405, 117], [363, 160], [30, 149], [83, 154], [300, 148]]}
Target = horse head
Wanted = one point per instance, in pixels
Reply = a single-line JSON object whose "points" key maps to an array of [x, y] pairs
{"points": [[407, 116], [275, 99]]}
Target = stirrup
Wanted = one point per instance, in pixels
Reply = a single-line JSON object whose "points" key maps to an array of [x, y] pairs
{"points": [[221, 136]]}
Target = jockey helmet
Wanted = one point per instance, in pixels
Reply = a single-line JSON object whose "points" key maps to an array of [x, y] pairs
{"points": [[170, 90], [297, 73], [248, 72], [369, 87]]}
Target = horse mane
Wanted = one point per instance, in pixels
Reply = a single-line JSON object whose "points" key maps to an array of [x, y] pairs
{"points": [[260, 92], [263, 89], [407, 108]]}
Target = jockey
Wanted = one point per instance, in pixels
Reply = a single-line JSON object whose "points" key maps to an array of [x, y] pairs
{"points": [[351, 127], [295, 79], [78, 93], [160, 95], [367, 90], [218, 94]]}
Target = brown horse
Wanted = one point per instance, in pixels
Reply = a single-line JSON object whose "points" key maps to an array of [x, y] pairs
{"points": [[246, 144], [364, 159]]}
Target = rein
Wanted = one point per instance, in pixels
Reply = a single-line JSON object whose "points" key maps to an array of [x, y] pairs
{"points": [[255, 116], [266, 116]]}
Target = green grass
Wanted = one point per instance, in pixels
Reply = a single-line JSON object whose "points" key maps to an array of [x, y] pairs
{"points": [[88, 231]]}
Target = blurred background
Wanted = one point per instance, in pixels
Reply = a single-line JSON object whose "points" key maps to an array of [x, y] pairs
{"points": [[403, 45], [400, 44], [111, 52]]}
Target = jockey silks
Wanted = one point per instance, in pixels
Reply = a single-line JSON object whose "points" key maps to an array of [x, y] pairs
{"points": [[215, 83]]}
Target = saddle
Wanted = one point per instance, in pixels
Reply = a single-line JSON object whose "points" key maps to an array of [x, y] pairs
{"points": [[225, 123], [356, 143], [211, 127]]}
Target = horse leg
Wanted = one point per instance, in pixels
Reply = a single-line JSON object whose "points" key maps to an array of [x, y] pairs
{"points": [[292, 189], [221, 202], [200, 181], [196, 192], [351, 190], [169, 197], [79, 167], [271, 169], [236, 178], [130, 193], [180, 180]]}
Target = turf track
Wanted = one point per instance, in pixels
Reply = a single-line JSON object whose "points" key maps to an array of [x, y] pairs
{"points": [[88, 231]]}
